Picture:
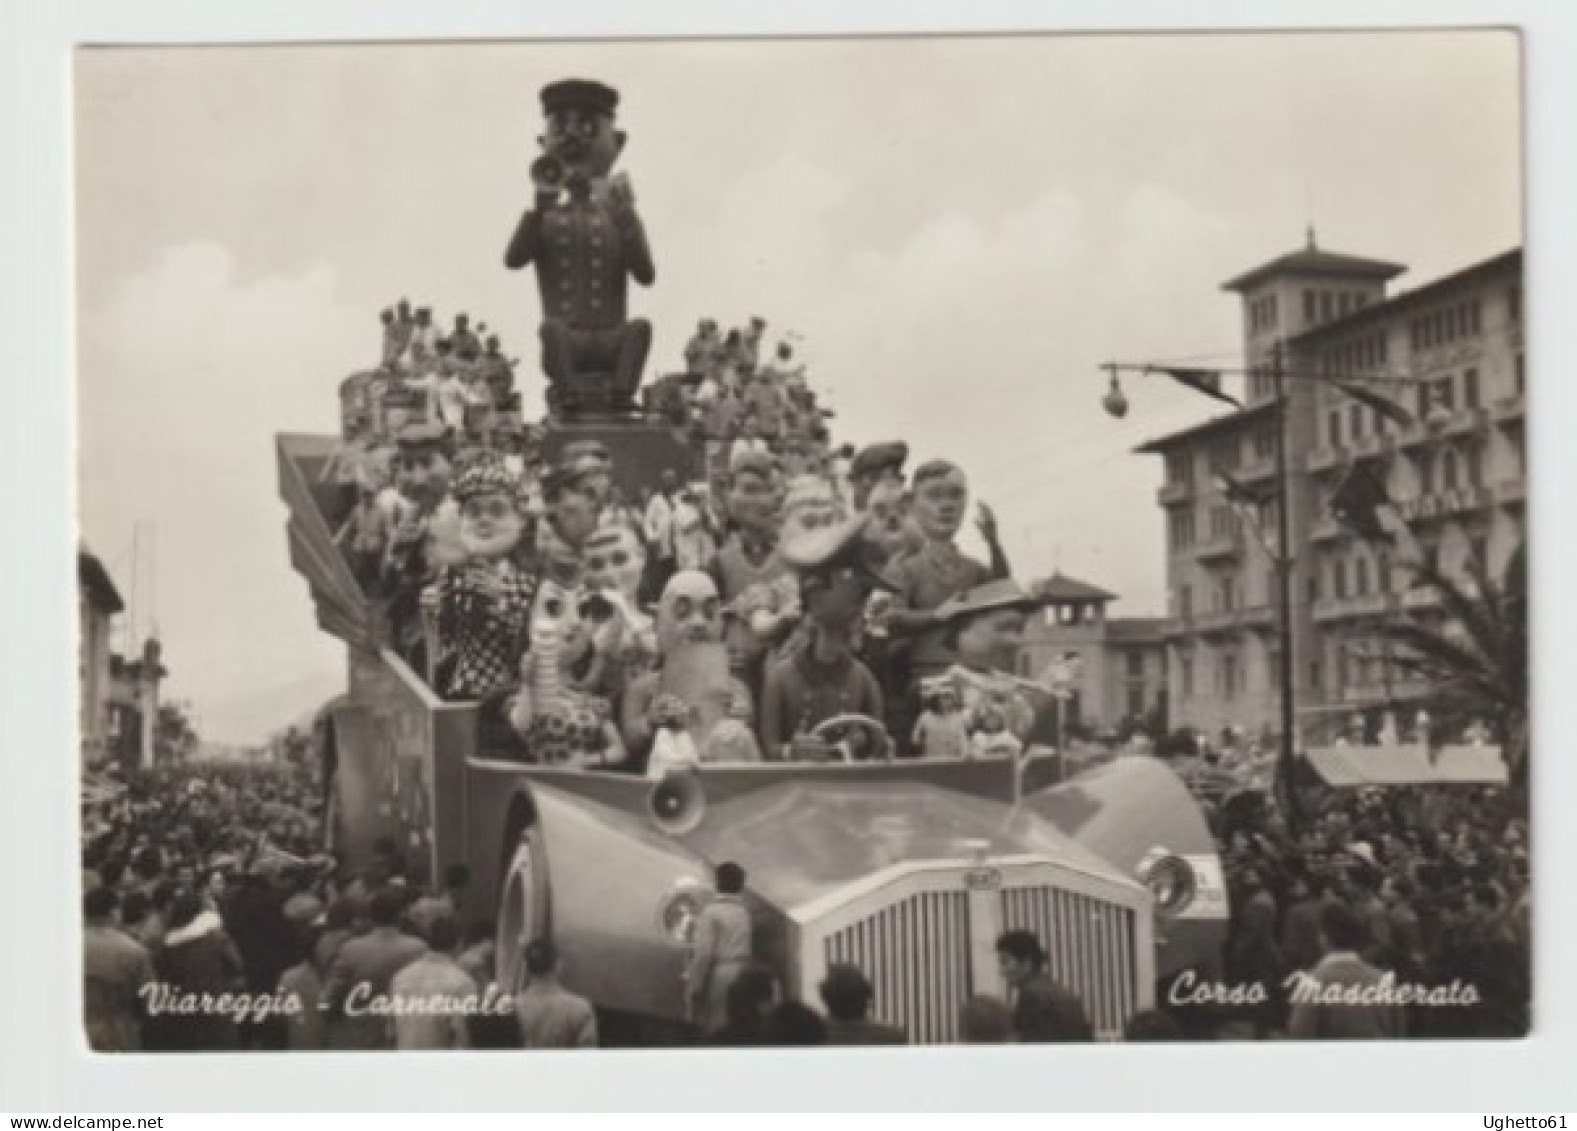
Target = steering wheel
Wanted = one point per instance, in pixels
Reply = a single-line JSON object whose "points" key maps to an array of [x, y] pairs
{"points": [[840, 727]]}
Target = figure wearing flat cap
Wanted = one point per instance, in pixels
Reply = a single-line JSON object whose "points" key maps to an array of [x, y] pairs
{"points": [[586, 240], [483, 602]]}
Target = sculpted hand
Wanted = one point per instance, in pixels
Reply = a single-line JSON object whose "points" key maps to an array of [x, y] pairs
{"points": [[986, 523]]}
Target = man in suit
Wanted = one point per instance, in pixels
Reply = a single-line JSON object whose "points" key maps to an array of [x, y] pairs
{"points": [[1043, 1011], [363, 971], [1334, 1002], [847, 994]]}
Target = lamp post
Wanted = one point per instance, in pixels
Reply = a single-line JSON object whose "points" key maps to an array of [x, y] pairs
{"points": [[1116, 404]]}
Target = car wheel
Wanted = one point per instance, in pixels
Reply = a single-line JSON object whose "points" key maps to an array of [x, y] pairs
{"points": [[522, 909]]}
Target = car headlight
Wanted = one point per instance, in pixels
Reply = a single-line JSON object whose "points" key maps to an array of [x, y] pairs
{"points": [[1171, 880], [677, 912]]}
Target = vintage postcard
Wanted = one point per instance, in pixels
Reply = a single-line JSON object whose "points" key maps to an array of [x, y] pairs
{"points": [[803, 542]]}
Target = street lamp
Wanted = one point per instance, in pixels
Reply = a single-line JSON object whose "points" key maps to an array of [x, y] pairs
{"points": [[1114, 402]]}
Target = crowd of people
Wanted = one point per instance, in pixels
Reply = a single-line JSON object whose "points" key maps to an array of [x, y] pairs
{"points": [[1428, 884], [212, 922]]}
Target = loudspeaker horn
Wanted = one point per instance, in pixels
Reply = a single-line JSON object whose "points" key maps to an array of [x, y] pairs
{"points": [[677, 803]]}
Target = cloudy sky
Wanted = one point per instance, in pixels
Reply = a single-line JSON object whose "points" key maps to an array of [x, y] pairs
{"points": [[960, 231]]}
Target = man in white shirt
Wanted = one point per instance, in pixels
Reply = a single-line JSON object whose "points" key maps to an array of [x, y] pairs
{"points": [[432, 996]]}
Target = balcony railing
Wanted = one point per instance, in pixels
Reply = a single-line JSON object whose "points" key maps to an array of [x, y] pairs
{"points": [[1507, 410], [1443, 504], [1321, 458], [1256, 469], [1464, 422], [1175, 492], [1372, 444], [1421, 598], [1325, 529], [1259, 616], [1229, 620], [1219, 546], [1512, 492], [1350, 608]]}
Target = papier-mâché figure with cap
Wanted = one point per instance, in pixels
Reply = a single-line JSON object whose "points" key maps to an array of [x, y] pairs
{"points": [[484, 601], [586, 241]]}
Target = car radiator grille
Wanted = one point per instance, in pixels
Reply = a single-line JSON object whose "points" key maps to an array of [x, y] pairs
{"points": [[916, 955]]}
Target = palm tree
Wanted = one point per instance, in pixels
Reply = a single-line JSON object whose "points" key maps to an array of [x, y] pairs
{"points": [[1476, 662]]}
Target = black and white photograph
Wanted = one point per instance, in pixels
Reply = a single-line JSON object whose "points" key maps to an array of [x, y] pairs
{"points": [[717, 543]]}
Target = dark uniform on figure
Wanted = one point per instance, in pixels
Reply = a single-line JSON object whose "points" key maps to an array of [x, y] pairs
{"points": [[585, 238]]}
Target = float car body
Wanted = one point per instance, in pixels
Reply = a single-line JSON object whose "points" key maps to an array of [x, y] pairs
{"points": [[909, 869]]}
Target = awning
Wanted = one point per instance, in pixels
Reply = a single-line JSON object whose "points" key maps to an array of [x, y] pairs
{"points": [[1351, 766]]}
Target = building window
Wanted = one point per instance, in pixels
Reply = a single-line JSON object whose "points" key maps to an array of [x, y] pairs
{"points": [[1335, 429], [1309, 313], [1185, 666], [1264, 443], [1135, 665], [1470, 388], [1355, 421], [1360, 581], [1423, 401], [1327, 306], [1445, 393], [1473, 466], [1475, 318], [1182, 522], [1479, 548], [1135, 700], [1426, 473], [1382, 573], [1313, 587], [1448, 471], [1228, 674], [1339, 579], [1185, 602], [1314, 675]]}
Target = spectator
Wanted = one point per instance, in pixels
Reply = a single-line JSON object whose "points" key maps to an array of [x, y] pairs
{"points": [[550, 1016], [791, 1023], [476, 955], [658, 522], [365, 966], [847, 994], [692, 541], [751, 442], [1320, 1009], [985, 1020], [445, 902], [1151, 1025], [198, 958], [116, 972], [432, 995], [306, 1028], [745, 1008], [1042, 1010], [722, 948]]}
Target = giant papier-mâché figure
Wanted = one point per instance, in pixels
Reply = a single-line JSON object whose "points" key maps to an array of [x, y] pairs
{"points": [[586, 240]]}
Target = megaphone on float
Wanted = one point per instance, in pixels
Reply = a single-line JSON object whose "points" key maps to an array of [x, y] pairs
{"points": [[677, 803], [549, 173]]}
